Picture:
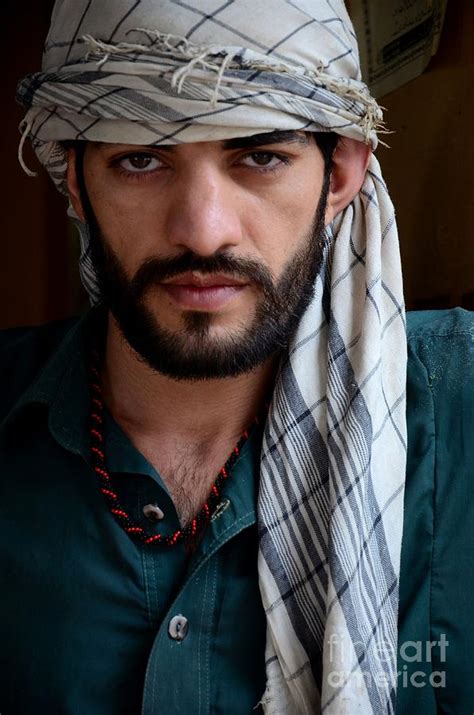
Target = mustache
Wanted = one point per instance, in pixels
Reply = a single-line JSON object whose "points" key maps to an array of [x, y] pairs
{"points": [[156, 270]]}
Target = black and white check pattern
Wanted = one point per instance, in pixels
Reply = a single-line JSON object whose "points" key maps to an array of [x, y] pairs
{"points": [[333, 466], [333, 459]]}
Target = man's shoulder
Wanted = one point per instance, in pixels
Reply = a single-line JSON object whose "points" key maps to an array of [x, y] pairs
{"points": [[29, 346], [441, 351], [24, 351], [34, 334], [425, 324]]}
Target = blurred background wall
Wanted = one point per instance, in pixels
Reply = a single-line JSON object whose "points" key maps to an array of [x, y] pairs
{"points": [[428, 169], [38, 272]]}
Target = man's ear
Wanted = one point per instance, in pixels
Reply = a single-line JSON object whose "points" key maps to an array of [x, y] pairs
{"points": [[73, 185], [350, 161]]}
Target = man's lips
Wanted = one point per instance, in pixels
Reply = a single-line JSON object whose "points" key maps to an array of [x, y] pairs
{"points": [[197, 280], [203, 292]]}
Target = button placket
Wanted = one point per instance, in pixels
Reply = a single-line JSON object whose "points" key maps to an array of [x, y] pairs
{"points": [[183, 647], [162, 567]]}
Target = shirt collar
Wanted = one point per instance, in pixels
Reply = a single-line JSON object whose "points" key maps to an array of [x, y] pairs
{"points": [[62, 386]]}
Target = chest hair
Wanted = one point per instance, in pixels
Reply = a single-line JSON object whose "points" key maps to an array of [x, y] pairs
{"points": [[188, 473]]}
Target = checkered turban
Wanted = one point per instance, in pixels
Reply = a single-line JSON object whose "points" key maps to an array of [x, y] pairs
{"points": [[333, 456]]}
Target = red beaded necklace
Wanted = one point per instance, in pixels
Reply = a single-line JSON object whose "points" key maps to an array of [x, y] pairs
{"points": [[184, 535]]}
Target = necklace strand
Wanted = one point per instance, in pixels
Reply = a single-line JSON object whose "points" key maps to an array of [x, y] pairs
{"points": [[98, 459]]}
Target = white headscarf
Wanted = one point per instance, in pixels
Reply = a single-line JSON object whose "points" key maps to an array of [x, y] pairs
{"points": [[330, 506]]}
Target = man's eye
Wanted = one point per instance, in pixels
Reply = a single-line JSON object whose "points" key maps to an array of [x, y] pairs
{"points": [[139, 163], [263, 160]]}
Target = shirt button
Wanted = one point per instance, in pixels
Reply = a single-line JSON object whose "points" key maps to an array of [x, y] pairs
{"points": [[220, 509], [153, 512], [178, 628]]}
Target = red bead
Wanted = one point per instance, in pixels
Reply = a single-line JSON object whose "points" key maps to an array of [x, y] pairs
{"points": [[120, 512], [108, 493]]}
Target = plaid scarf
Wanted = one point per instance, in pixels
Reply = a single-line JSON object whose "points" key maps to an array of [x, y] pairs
{"points": [[330, 506]]}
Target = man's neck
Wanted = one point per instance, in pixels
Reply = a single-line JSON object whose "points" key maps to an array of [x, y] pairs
{"points": [[149, 405]]}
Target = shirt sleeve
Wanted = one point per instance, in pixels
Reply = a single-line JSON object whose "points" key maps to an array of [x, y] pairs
{"points": [[436, 624]]}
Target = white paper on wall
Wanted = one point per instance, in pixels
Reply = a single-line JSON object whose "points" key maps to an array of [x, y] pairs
{"points": [[397, 39]]}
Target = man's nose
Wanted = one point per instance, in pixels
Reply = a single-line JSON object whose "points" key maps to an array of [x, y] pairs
{"points": [[203, 214]]}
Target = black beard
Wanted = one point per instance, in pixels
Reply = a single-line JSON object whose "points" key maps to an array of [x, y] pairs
{"points": [[191, 354]]}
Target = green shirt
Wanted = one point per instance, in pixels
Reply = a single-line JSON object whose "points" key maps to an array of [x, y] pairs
{"points": [[88, 616], [86, 613], [437, 562]]}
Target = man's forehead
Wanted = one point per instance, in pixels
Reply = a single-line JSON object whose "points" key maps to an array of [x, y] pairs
{"points": [[256, 140]]}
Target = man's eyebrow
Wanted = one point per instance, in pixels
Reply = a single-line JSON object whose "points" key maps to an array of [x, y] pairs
{"points": [[275, 137], [256, 140]]}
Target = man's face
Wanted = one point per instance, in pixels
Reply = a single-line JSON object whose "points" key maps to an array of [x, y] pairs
{"points": [[206, 253]]}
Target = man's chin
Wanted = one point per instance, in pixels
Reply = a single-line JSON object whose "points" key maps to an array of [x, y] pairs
{"points": [[198, 351], [196, 366], [218, 323]]}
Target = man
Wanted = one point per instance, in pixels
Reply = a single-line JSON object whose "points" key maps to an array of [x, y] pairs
{"points": [[203, 477]]}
